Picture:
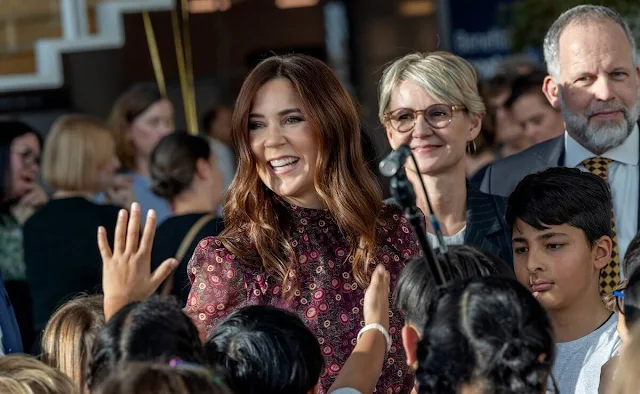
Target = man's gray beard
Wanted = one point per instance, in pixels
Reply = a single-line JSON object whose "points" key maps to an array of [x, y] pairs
{"points": [[600, 138]]}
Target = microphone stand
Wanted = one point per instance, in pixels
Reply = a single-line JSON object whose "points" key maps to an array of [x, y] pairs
{"points": [[405, 195]]}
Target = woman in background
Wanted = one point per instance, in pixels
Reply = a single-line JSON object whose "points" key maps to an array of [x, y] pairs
{"points": [[139, 119], [20, 196], [185, 173], [79, 161], [216, 125]]}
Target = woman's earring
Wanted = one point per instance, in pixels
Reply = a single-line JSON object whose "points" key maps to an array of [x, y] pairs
{"points": [[472, 148]]}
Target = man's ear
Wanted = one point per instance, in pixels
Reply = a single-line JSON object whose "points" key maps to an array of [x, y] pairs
{"points": [[602, 252], [550, 89], [410, 340]]}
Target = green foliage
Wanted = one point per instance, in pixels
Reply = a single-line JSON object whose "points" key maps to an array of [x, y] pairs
{"points": [[529, 20]]}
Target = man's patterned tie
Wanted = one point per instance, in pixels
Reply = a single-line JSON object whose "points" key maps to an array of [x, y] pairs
{"points": [[609, 275]]}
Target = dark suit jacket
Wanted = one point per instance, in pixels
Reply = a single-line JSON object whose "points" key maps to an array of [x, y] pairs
{"points": [[11, 340], [486, 226], [502, 176]]}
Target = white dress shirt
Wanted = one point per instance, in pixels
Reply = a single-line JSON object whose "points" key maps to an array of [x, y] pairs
{"points": [[623, 179]]}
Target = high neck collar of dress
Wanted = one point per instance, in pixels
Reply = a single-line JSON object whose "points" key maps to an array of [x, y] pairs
{"points": [[298, 212]]}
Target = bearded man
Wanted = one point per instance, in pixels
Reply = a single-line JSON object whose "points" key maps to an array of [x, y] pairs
{"points": [[593, 77]]}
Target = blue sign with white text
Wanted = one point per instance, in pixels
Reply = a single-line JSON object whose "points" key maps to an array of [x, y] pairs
{"points": [[475, 33]]}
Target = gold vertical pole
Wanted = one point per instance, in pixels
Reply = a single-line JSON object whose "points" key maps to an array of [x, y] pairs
{"points": [[185, 66], [189, 67], [154, 53], [181, 67]]}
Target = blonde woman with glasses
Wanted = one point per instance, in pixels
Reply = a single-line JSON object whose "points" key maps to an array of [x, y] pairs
{"points": [[431, 103]]}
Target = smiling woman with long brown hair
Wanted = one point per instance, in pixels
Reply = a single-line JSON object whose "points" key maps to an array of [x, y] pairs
{"points": [[304, 225]]}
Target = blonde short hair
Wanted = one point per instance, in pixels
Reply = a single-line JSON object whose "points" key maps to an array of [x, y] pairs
{"points": [[445, 77], [69, 336], [20, 374], [76, 150]]}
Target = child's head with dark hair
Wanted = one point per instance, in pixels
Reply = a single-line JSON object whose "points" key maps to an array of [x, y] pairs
{"points": [[156, 378], [614, 301], [153, 330], [560, 223], [416, 289], [559, 196], [629, 307], [265, 350], [632, 256], [488, 335], [416, 286], [182, 162]]}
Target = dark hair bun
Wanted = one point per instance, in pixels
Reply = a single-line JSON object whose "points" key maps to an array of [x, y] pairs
{"points": [[173, 163], [489, 331], [168, 184]]}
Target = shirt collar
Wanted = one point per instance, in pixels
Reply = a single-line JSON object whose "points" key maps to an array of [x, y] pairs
{"points": [[626, 153]]}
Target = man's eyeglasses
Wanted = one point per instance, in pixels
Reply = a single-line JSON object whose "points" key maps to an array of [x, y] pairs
{"points": [[437, 116], [619, 296]]}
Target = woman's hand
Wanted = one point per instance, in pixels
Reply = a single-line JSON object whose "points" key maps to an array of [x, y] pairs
{"points": [[126, 271], [376, 298], [27, 205], [35, 198]]}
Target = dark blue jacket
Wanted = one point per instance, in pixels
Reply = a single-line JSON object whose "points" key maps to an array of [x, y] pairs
{"points": [[486, 225], [11, 340]]}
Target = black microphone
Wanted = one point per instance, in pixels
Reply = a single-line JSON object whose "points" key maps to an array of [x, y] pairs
{"points": [[404, 194], [395, 161]]}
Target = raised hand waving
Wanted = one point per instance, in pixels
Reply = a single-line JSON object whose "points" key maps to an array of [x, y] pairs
{"points": [[126, 271]]}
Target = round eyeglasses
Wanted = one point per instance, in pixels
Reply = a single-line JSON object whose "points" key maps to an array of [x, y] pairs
{"points": [[437, 116], [27, 156]]}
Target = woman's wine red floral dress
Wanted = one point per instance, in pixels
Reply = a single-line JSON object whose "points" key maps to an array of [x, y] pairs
{"points": [[328, 300]]}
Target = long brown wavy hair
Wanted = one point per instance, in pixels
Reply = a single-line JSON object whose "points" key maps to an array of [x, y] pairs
{"points": [[256, 225]]}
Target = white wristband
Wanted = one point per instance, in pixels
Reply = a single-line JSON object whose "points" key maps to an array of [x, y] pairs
{"points": [[376, 326]]}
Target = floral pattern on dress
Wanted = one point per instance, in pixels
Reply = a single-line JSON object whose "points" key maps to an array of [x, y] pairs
{"points": [[328, 299]]}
